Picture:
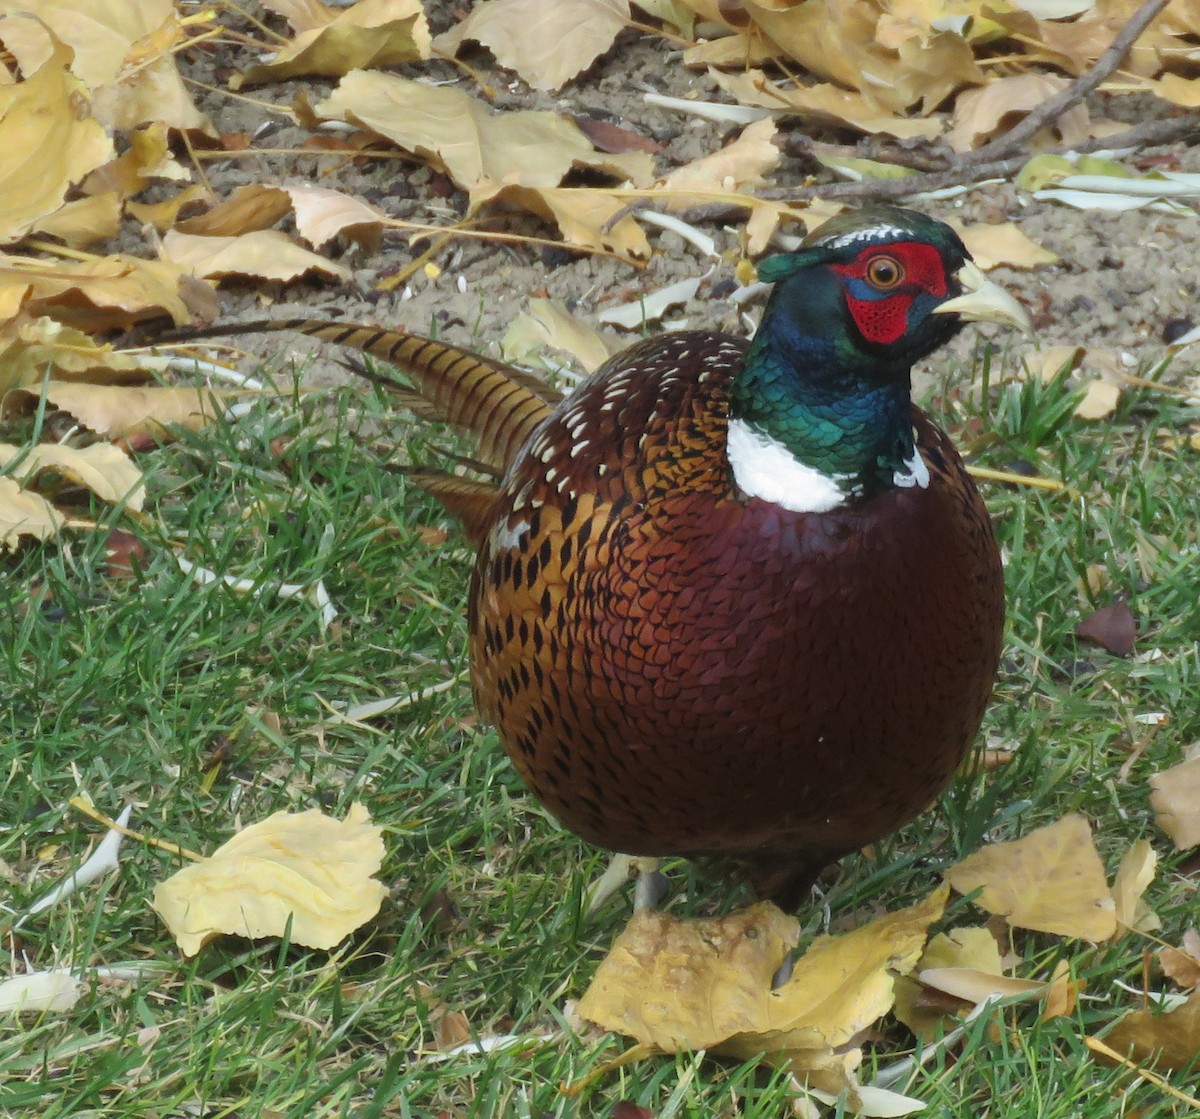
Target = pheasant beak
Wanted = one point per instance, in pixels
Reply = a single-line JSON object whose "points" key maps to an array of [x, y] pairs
{"points": [[983, 301]]}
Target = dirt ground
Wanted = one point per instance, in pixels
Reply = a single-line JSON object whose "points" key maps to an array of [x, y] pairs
{"points": [[1123, 279]]}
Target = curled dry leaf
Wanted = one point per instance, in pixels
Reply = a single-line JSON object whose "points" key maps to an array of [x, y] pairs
{"points": [[740, 165], [304, 868], [1182, 964], [547, 42], [549, 323], [104, 469], [1133, 879], [1175, 798], [1004, 244], [40, 992], [25, 514], [332, 41], [72, 355], [266, 253], [978, 113], [1051, 880], [121, 411]]}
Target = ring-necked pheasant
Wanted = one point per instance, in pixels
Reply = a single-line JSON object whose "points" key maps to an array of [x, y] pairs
{"points": [[733, 599]]}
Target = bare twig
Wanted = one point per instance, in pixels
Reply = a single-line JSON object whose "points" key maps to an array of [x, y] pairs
{"points": [[1142, 135], [1049, 111]]}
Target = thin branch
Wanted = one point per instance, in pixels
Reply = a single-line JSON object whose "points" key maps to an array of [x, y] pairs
{"points": [[1049, 111], [1143, 135]]}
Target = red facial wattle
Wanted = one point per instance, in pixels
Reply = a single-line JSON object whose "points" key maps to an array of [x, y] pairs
{"points": [[882, 313]]}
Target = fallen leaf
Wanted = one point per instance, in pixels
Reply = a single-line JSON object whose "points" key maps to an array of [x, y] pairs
{"points": [[1132, 880], [1182, 964], [480, 149], [25, 514], [1113, 626], [123, 411], [549, 323], [51, 139], [1062, 993], [547, 42], [979, 113], [103, 468], [1175, 798], [740, 165], [330, 41], [1168, 1041], [1005, 244], [301, 869], [1051, 880], [266, 253], [39, 992], [1100, 400]]}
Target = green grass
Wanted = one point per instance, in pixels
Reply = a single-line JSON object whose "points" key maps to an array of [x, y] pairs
{"points": [[127, 689]]}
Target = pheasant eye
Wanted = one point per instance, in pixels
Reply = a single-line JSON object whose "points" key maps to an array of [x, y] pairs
{"points": [[885, 273]]}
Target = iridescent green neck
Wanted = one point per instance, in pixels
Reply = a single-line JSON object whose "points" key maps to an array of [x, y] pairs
{"points": [[835, 410]]}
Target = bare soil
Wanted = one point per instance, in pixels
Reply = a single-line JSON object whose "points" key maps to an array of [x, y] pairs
{"points": [[1124, 280]]}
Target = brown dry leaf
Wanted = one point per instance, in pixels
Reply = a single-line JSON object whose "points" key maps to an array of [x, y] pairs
{"points": [[25, 514], [265, 253], [123, 50], [1062, 994], [1182, 964], [826, 104], [1004, 244], [248, 209], [1175, 798], [581, 215], [304, 868], [101, 293], [44, 343], [84, 221], [741, 165], [333, 41], [1051, 880], [163, 215], [549, 323], [1178, 90], [120, 411], [1132, 880], [1114, 627], [50, 139], [1168, 1041], [547, 42], [481, 150], [979, 113], [104, 469]]}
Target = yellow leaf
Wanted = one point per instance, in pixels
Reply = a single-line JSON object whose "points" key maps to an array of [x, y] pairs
{"points": [[333, 41], [480, 149], [547, 42], [1168, 1041], [71, 354], [1133, 878], [84, 221], [549, 323], [1182, 964], [690, 984], [322, 214], [248, 209], [1175, 798], [121, 411], [25, 514], [51, 140], [104, 469], [304, 867], [1051, 880], [1100, 399], [740, 165], [1004, 244], [266, 253]]}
